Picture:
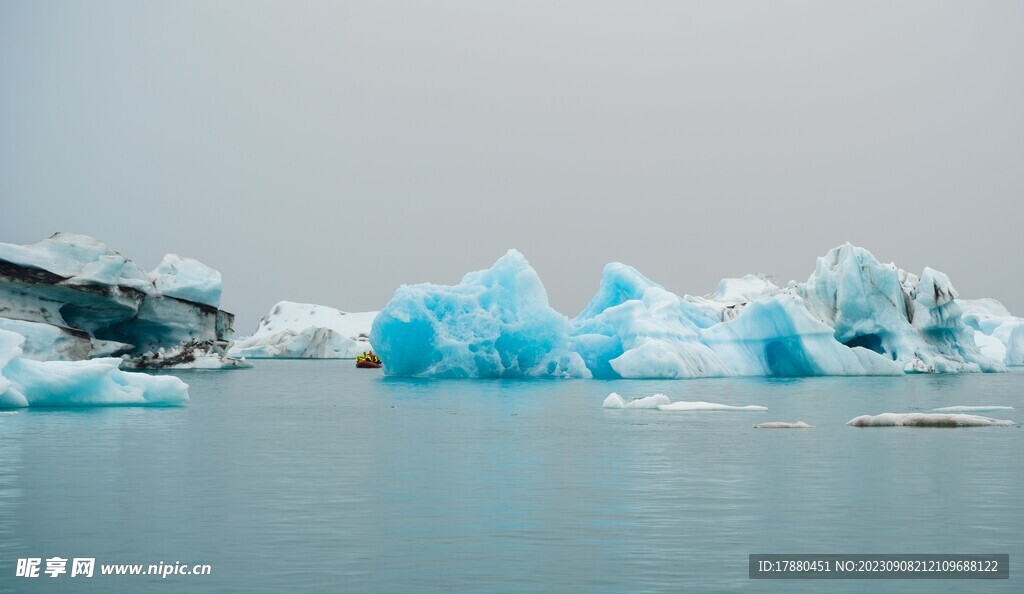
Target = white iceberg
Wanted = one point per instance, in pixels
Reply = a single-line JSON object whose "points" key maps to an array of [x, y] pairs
{"points": [[307, 331], [650, 402], [783, 425], [927, 420], [25, 382], [701, 406], [72, 297], [970, 409], [853, 316]]}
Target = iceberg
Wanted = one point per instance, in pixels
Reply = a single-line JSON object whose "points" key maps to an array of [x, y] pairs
{"points": [[307, 331], [73, 298], [701, 406], [26, 382], [783, 425], [650, 402], [999, 335], [927, 420], [853, 316], [495, 323], [914, 321]]}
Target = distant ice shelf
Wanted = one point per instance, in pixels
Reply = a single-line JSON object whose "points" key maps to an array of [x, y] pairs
{"points": [[853, 316]]}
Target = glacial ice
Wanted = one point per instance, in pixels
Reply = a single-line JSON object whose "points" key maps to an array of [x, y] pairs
{"points": [[926, 420], [25, 382], [307, 331], [701, 406], [999, 335], [970, 409], [46, 342], [187, 279], [783, 425], [79, 259], [649, 402], [72, 298], [853, 316], [494, 323]]}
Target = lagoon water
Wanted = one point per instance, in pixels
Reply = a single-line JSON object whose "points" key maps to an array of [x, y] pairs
{"points": [[305, 476]]}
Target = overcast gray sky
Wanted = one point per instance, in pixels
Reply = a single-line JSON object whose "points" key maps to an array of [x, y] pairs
{"points": [[330, 151]]}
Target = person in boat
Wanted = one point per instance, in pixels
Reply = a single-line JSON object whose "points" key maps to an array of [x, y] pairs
{"points": [[368, 356]]}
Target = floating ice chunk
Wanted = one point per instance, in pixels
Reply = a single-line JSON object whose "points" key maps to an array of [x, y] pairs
{"points": [[307, 331], [927, 420], [24, 382], [972, 409], [650, 402], [783, 425], [682, 405], [188, 279]]}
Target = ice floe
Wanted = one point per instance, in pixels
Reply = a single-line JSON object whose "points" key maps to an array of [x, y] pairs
{"points": [[698, 406], [650, 402], [783, 425], [970, 409], [927, 420]]}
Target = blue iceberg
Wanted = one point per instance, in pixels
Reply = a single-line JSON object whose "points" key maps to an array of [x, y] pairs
{"points": [[853, 316], [494, 323]]}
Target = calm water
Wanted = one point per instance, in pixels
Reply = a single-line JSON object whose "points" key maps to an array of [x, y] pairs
{"points": [[314, 476]]}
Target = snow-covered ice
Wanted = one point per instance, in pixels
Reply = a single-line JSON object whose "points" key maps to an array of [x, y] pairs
{"points": [[927, 420], [853, 316], [783, 425], [701, 406], [307, 331], [970, 409], [649, 402], [24, 382]]}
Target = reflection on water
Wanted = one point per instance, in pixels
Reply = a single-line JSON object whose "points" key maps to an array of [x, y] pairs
{"points": [[315, 476]]}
